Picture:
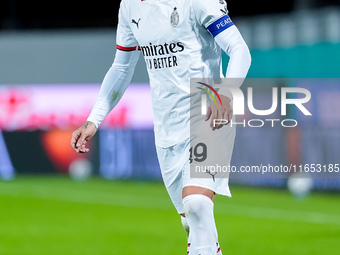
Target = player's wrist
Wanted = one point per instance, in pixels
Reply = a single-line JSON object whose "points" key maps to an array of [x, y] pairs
{"points": [[226, 93], [88, 124], [225, 98], [93, 121]]}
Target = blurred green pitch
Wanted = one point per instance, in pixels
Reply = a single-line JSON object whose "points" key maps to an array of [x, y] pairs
{"points": [[54, 215]]}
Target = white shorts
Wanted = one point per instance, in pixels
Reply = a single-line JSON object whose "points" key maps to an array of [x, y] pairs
{"points": [[179, 163]]}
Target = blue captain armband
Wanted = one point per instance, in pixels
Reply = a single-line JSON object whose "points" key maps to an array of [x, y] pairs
{"points": [[220, 25]]}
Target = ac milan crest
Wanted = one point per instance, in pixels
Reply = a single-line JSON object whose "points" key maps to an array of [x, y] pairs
{"points": [[174, 18]]}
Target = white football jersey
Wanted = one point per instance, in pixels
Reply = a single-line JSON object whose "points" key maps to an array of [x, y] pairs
{"points": [[176, 39]]}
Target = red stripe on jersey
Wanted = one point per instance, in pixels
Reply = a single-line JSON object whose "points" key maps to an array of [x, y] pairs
{"points": [[126, 48]]}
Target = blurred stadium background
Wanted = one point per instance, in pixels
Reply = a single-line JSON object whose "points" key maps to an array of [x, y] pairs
{"points": [[53, 57]]}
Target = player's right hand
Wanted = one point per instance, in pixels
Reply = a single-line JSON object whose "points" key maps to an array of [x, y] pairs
{"points": [[82, 135]]}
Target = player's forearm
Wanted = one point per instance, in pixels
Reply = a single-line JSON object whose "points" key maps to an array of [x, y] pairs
{"points": [[114, 85], [233, 44], [239, 62]]}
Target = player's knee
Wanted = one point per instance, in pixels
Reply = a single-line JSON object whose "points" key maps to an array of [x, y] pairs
{"points": [[197, 206], [192, 207]]}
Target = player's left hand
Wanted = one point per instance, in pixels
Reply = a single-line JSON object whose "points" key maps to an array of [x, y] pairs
{"points": [[81, 136], [219, 111]]}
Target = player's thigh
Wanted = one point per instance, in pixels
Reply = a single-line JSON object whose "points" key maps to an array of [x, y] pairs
{"points": [[209, 164], [172, 161]]}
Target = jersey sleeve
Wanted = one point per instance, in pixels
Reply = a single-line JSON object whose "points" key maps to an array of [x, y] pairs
{"points": [[213, 15], [125, 38]]}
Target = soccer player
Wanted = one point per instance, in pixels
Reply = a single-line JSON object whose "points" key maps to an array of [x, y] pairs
{"points": [[180, 40]]}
